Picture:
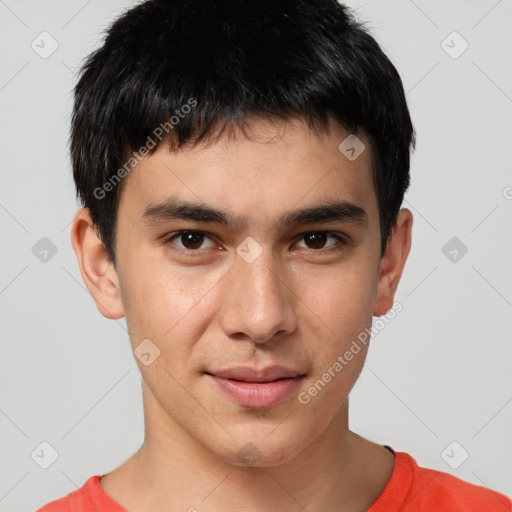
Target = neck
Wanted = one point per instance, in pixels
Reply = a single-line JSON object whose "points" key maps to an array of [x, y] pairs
{"points": [[172, 471]]}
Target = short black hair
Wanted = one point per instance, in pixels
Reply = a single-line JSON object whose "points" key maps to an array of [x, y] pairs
{"points": [[272, 58]]}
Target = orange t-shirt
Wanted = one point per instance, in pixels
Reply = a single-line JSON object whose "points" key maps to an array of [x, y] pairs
{"points": [[411, 488]]}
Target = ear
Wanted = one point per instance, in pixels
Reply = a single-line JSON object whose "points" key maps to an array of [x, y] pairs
{"points": [[97, 270], [393, 262]]}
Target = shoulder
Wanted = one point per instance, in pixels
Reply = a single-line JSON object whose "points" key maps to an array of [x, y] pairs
{"points": [[437, 490], [89, 498]]}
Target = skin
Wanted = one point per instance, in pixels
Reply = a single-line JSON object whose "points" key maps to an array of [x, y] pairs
{"points": [[296, 305]]}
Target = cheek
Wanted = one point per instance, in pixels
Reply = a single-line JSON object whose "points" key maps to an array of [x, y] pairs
{"points": [[340, 307], [341, 298], [164, 302]]}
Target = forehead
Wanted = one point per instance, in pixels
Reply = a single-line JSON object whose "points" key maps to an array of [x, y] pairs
{"points": [[259, 175]]}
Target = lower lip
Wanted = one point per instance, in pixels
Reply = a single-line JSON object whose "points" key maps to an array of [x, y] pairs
{"points": [[258, 394]]}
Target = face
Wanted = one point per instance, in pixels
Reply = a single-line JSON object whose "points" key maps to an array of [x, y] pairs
{"points": [[250, 266]]}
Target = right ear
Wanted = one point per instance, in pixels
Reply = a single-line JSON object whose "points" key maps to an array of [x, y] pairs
{"points": [[97, 270]]}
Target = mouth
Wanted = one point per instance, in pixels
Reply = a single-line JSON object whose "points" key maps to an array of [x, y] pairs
{"points": [[257, 388]]}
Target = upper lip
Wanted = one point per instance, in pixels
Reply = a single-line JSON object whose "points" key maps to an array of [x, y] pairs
{"points": [[268, 374]]}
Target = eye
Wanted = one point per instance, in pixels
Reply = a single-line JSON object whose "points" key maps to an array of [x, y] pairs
{"points": [[317, 240], [190, 240]]}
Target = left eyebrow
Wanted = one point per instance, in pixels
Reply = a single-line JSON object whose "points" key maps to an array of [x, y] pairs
{"points": [[328, 211], [340, 211]]}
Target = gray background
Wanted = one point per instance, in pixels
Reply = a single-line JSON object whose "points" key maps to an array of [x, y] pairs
{"points": [[438, 373]]}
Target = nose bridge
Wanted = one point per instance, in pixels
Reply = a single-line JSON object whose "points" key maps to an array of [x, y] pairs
{"points": [[257, 301]]}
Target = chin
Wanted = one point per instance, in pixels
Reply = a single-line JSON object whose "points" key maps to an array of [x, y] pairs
{"points": [[250, 456], [262, 447]]}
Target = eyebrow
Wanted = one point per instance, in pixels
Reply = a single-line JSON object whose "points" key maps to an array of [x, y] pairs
{"points": [[327, 211]]}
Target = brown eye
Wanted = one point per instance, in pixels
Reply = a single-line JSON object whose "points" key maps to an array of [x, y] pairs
{"points": [[190, 240], [316, 240]]}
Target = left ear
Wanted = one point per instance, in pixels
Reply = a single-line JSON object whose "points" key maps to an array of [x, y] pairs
{"points": [[393, 262]]}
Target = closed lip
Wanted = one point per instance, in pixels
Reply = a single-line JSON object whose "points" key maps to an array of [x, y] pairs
{"points": [[247, 374]]}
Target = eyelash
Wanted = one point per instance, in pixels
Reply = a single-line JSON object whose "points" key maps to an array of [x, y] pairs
{"points": [[334, 249]]}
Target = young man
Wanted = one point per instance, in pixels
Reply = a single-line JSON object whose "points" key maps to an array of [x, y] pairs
{"points": [[241, 166]]}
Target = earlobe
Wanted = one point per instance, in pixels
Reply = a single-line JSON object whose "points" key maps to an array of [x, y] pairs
{"points": [[393, 262], [97, 270]]}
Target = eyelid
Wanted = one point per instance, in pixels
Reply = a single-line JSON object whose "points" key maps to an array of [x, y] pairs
{"points": [[344, 237]]}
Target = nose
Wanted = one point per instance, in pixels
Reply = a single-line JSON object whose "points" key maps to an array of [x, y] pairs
{"points": [[258, 303]]}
